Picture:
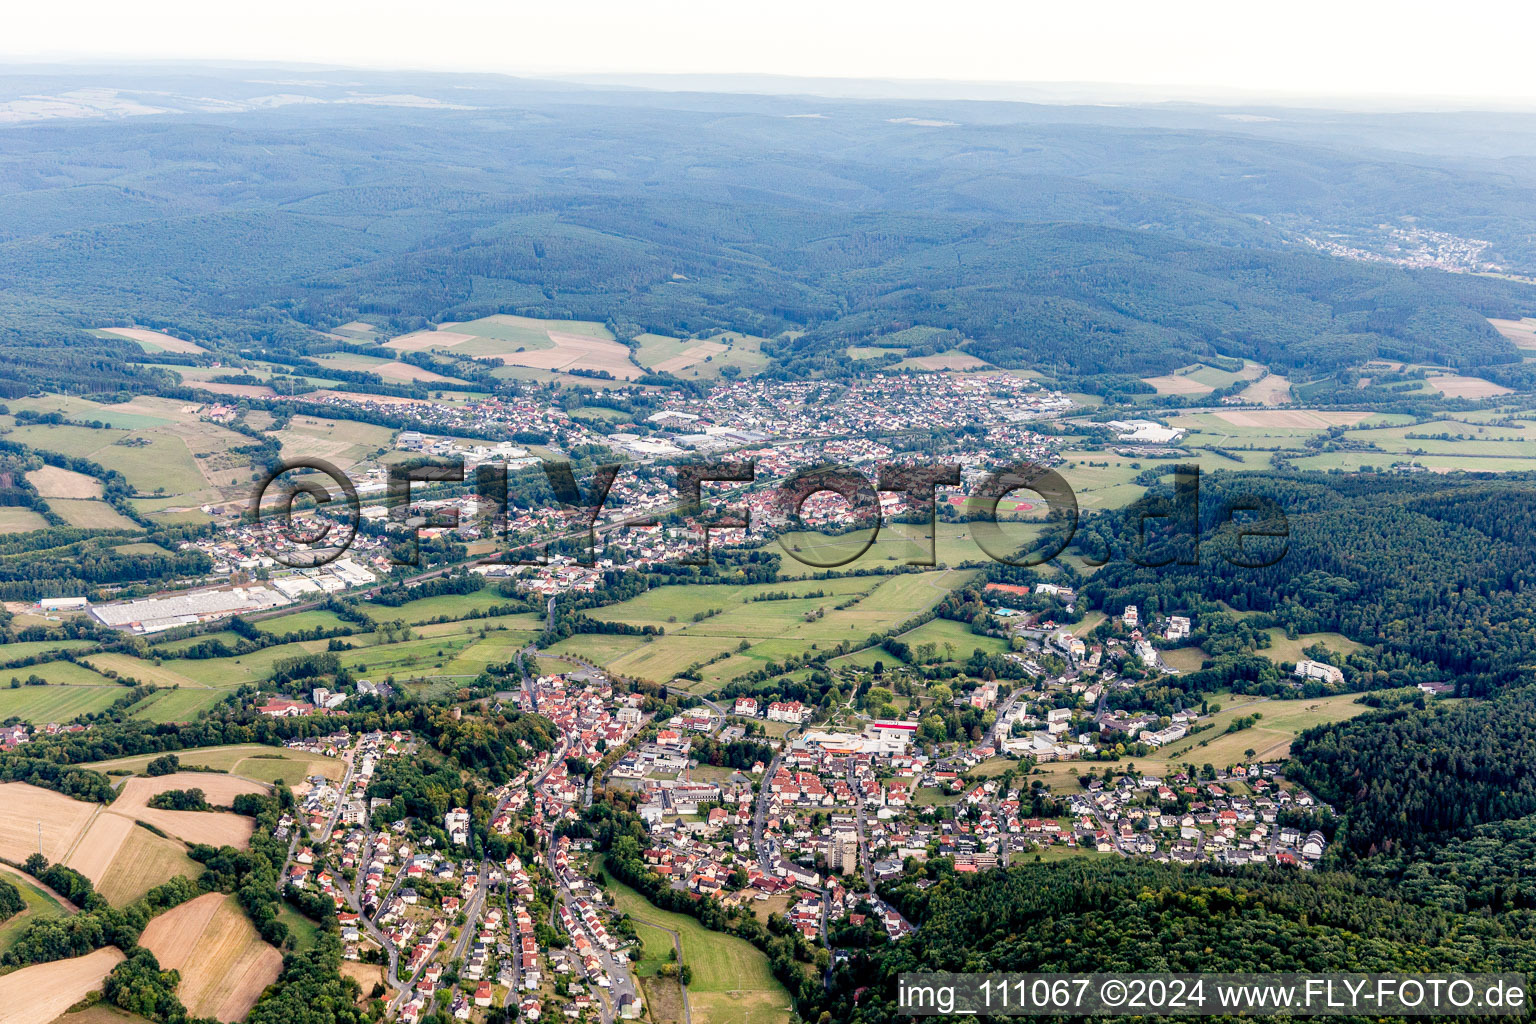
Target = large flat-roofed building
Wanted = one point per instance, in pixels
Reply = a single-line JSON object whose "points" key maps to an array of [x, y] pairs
{"points": [[154, 614]]}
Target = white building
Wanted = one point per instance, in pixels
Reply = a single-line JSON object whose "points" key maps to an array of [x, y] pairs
{"points": [[1318, 670]]}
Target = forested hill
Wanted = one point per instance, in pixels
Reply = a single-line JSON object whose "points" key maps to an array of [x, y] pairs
{"points": [[1434, 574], [1073, 240], [1123, 915]]}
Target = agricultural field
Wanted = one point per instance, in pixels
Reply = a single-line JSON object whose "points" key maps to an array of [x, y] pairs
{"points": [[154, 341], [549, 345], [101, 1013], [57, 702], [703, 358], [176, 705], [216, 828], [42, 992], [224, 964], [896, 544], [342, 442], [954, 361], [299, 622], [245, 760], [1200, 379], [731, 978], [1272, 389], [125, 860], [91, 514], [387, 369], [1521, 332], [452, 606], [754, 633], [15, 519], [53, 482]]}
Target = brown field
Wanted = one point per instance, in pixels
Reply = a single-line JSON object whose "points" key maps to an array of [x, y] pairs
{"points": [[224, 964], [53, 482], [1291, 418], [577, 352], [695, 353], [154, 339], [216, 828], [1456, 386], [366, 976], [101, 1013], [94, 854], [1271, 390], [144, 861], [419, 341], [946, 361], [38, 994], [1175, 384], [23, 806], [91, 514], [1521, 332]]}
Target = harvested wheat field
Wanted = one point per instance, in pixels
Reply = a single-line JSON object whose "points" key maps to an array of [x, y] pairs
{"points": [[53, 482], [38, 994], [1271, 390], [1301, 418], [1521, 332], [577, 352], [1454, 385], [420, 341], [94, 854], [22, 807], [224, 964], [217, 828], [1177, 384], [154, 341]]}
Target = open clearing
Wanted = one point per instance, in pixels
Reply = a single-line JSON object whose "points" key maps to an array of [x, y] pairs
{"points": [[53, 482], [23, 806], [38, 994], [224, 964], [154, 341]]}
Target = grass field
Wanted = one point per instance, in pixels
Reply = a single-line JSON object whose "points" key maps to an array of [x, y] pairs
{"points": [[41, 705], [15, 519], [427, 608], [165, 705], [731, 978], [38, 906], [53, 482], [101, 1013], [154, 341], [91, 514], [1282, 649], [897, 544], [299, 622]]}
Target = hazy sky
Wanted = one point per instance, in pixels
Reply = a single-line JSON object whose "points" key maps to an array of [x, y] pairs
{"points": [[1320, 47]]}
